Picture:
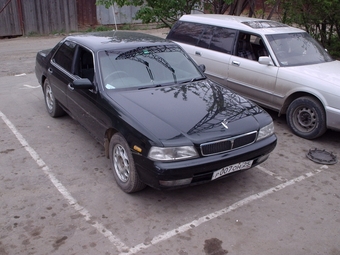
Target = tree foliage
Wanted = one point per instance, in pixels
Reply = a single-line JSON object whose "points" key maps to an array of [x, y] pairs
{"points": [[321, 18], [167, 11]]}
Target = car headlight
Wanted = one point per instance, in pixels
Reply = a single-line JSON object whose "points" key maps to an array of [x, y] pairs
{"points": [[266, 131], [172, 153]]}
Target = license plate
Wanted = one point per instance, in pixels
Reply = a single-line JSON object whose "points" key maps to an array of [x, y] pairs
{"points": [[232, 168]]}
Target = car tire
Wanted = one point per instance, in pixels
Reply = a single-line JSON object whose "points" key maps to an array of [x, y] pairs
{"points": [[52, 104], [306, 117], [123, 165]]}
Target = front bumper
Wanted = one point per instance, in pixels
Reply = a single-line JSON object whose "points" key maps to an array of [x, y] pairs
{"points": [[333, 118], [200, 169]]}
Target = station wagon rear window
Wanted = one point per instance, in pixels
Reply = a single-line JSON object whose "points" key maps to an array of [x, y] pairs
{"points": [[216, 38]]}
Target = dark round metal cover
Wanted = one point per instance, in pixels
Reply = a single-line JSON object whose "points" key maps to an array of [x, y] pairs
{"points": [[322, 157]]}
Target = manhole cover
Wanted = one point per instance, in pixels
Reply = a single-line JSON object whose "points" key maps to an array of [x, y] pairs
{"points": [[322, 157]]}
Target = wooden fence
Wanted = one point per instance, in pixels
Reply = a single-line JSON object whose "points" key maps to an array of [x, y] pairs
{"points": [[27, 17]]}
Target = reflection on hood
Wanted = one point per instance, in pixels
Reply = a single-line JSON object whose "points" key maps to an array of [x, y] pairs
{"points": [[194, 110]]}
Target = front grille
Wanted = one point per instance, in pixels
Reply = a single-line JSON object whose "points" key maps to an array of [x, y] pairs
{"points": [[229, 144]]}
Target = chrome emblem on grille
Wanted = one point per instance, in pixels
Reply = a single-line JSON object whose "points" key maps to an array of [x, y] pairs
{"points": [[225, 123]]}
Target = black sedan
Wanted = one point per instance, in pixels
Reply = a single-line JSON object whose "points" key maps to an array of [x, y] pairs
{"points": [[161, 121]]}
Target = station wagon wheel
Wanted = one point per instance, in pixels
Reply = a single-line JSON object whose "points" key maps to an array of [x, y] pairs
{"points": [[123, 165], [306, 117], [52, 104]]}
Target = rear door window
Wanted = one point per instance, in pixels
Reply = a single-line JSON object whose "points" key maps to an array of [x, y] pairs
{"points": [[223, 40], [65, 55], [206, 37]]}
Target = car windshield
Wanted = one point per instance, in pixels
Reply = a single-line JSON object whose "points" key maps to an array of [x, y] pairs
{"points": [[146, 66], [296, 49]]}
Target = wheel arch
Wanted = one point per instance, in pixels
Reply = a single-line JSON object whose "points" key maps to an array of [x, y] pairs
{"points": [[43, 78], [107, 138], [298, 94]]}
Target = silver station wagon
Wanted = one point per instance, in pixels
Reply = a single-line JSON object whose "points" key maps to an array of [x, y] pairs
{"points": [[277, 66]]}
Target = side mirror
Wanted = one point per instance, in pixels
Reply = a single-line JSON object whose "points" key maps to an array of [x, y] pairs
{"points": [[82, 83], [265, 60], [202, 67]]}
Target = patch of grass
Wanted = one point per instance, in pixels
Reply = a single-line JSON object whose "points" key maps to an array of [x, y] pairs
{"points": [[103, 28], [126, 26], [56, 32], [99, 28], [32, 34], [139, 26]]}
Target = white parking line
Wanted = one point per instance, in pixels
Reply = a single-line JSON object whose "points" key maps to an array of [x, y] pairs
{"points": [[30, 86], [276, 176], [122, 248], [60, 187], [211, 216]]}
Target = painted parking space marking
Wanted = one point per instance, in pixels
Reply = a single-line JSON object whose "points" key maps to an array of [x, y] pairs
{"points": [[276, 176], [119, 245], [30, 86], [61, 188], [191, 225], [20, 74]]}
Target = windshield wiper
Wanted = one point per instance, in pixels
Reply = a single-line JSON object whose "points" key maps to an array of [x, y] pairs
{"points": [[198, 79], [150, 53], [194, 79], [150, 86]]}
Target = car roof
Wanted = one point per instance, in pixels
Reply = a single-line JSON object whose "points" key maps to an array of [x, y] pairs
{"points": [[116, 40], [259, 26]]}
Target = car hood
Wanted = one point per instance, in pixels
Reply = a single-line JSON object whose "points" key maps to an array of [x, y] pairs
{"points": [[188, 113], [327, 72]]}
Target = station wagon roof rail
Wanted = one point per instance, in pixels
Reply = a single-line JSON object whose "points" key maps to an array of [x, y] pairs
{"points": [[241, 23]]}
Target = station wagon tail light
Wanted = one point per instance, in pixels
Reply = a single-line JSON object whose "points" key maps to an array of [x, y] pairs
{"points": [[266, 131], [172, 153]]}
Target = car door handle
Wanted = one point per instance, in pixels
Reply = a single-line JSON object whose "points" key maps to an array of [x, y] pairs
{"points": [[198, 53], [50, 70], [236, 63], [70, 87]]}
